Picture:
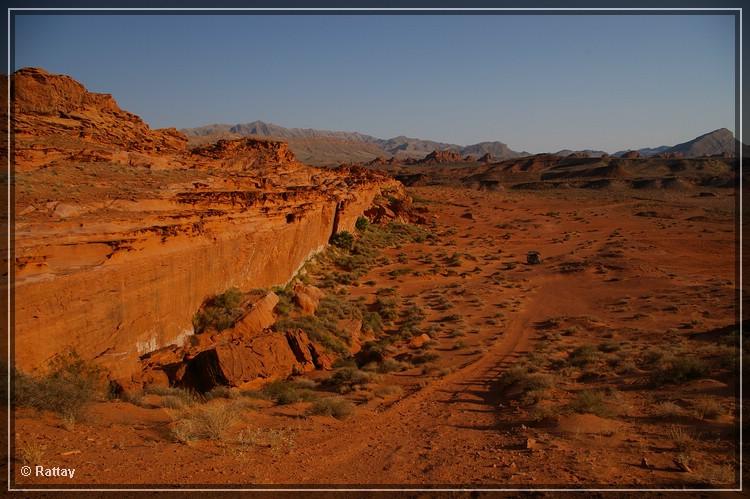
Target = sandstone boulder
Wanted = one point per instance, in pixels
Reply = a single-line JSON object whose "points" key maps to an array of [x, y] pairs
{"points": [[259, 316], [419, 341], [233, 363], [353, 329], [307, 297]]}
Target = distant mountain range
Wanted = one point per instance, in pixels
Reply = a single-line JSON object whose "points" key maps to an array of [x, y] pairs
{"points": [[327, 146], [322, 147], [718, 142]]}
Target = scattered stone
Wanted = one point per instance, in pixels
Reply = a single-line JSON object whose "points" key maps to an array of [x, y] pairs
{"points": [[307, 297], [533, 258], [419, 341]]}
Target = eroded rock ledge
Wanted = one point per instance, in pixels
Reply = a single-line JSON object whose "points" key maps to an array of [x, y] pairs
{"points": [[122, 232]]}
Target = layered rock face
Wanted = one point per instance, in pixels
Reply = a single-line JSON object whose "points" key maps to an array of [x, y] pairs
{"points": [[122, 232]]}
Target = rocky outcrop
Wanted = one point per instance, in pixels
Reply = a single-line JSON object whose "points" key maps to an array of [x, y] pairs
{"points": [[56, 119], [447, 156], [231, 359], [122, 233], [259, 316], [307, 297]]}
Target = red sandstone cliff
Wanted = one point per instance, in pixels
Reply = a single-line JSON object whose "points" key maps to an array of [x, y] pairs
{"points": [[122, 232]]}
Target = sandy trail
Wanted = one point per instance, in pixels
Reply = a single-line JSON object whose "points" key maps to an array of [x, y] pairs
{"points": [[407, 442]]}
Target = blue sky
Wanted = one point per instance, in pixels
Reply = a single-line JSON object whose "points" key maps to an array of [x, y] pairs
{"points": [[538, 83]]}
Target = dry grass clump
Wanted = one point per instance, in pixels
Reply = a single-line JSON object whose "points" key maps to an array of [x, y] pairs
{"points": [[211, 421], [278, 440], [707, 409], [719, 474], [30, 453], [682, 439], [669, 410], [590, 402], [175, 398], [385, 391]]}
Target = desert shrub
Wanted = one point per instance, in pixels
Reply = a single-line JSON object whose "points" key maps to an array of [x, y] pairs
{"points": [[609, 347], [286, 303], [321, 331], [391, 365], [210, 421], [590, 402], [347, 378], [343, 240], [451, 318], [411, 318], [285, 392], [583, 356], [68, 385], [372, 352], [679, 370], [372, 322], [220, 392], [332, 406], [219, 312], [386, 304], [424, 358], [459, 345], [362, 223], [652, 357], [454, 260], [521, 380]]}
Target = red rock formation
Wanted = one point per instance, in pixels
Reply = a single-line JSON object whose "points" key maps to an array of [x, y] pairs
{"points": [[122, 233], [259, 316], [446, 156], [631, 155], [307, 297], [55, 118]]}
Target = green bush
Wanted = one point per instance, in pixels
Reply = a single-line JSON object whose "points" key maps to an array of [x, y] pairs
{"points": [[220, 312], [362, 224], [346, 378], [343, 240], [285, 392], [679, 370], [590, 402], [521, 379], [68, 385], [583, 356]]}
